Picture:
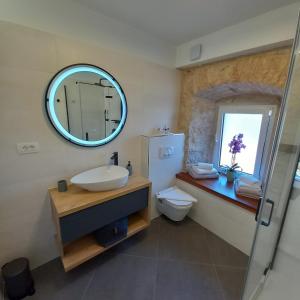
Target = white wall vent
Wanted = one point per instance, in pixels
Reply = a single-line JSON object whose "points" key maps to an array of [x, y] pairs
{"points": [[195, 52]]}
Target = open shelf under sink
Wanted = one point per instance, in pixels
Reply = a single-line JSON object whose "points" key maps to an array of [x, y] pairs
{"points": [[87, 247]]}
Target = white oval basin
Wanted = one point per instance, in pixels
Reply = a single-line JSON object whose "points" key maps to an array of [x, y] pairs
{"points": [[102, 179]]}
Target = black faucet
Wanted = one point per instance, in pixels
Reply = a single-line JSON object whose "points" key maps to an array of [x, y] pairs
{"points": [[115, 158]]}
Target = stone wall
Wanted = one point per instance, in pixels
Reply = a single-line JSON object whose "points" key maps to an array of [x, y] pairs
{"points": [[257, 78]]}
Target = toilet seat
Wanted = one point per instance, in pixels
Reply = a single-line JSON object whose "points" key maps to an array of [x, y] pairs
{"points": [[176, 194], [174, 203], [178, 203]]}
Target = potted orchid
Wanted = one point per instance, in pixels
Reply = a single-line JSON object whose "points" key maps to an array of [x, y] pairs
{"points": [[235, 145]]}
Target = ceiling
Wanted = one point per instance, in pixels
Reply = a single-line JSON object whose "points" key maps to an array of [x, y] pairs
{"points": [[179, 21]]}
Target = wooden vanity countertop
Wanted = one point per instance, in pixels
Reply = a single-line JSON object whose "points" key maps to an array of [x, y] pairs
{"points": [[76, 198]]}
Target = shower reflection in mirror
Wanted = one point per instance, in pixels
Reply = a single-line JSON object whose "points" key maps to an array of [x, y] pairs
{"points": [[88, 107]]}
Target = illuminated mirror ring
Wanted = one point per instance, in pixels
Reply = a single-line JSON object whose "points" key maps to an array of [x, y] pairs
{"points": [[86, 105]]}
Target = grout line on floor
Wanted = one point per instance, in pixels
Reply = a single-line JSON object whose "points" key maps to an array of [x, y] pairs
{"points": [[230, 267], [156, 266], [155, 280], [214, 267], [219, 282], [88, 285], [185, 261], [139, 256]]}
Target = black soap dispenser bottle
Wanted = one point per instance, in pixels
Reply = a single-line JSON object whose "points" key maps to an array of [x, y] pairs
{"points": [[129, 168]]}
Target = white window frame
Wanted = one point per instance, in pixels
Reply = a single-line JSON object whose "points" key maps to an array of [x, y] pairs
{"points": [[264, 143]]}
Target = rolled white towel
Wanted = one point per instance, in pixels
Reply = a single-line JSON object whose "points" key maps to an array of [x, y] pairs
{"points": [[205, 166], [200, 171]]}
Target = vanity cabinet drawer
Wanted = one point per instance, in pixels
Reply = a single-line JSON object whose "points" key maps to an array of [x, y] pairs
{"points": [[78, 224]]}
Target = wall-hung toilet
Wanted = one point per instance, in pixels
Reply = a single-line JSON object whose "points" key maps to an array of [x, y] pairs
{"points": [[162, 159], [174, 203]]}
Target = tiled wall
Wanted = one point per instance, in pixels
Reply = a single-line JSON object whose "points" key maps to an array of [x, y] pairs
{"points": [[233, 224], [28, 60]]}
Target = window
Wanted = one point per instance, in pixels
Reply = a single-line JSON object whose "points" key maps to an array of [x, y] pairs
{"points": [[256, 124]]}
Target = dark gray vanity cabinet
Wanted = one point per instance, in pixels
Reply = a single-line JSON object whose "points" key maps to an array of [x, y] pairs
{"points": [[78, 213]]}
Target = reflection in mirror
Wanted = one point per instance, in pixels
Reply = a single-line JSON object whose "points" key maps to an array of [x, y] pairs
{"points": [[89, 106]]}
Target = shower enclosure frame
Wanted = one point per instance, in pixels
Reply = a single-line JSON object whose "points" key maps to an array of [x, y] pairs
{"points": [[264, 201]]}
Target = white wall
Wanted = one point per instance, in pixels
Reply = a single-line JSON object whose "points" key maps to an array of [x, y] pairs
{"points": [[233, 224], [28, 60], [68, 18], [275, 28]]}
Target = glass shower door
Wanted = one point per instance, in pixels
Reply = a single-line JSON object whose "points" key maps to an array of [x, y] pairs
{"points": [[284, 162]]}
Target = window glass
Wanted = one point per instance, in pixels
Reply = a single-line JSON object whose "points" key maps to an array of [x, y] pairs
{"points": [[247, 124]]}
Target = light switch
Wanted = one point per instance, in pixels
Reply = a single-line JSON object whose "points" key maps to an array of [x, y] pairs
{"points": [[28, 147]]}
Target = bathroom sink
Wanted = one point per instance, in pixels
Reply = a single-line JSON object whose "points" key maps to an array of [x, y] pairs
{"points": [[102, 178]]}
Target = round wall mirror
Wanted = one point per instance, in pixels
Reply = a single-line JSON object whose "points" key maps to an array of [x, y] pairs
{"points": [[86, 105]]}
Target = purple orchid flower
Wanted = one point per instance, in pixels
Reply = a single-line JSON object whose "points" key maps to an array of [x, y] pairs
{"points": [[236, 145]]}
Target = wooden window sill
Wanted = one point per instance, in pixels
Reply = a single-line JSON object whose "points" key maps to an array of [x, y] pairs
{"points": [[221, 188]]}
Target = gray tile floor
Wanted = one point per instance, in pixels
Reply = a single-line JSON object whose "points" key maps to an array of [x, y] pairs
{"points": [[168, 261]]}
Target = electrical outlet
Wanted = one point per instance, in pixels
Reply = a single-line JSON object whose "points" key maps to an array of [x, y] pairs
{"points": [[29, 147]]}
